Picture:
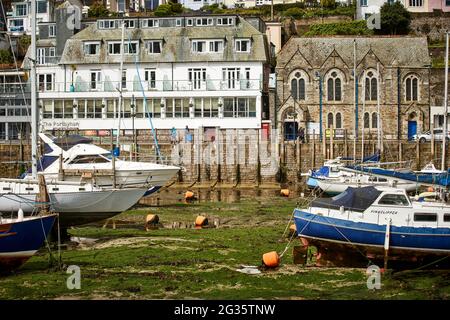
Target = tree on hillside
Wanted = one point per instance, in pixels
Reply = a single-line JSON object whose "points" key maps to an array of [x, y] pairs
{"points": [[98, 10], [328, 3], [395, 19]]}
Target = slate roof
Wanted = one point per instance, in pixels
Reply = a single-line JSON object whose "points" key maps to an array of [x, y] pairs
{"points": [[391, 51], [176, 45]]}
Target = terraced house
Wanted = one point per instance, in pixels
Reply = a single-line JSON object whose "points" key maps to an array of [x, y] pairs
{"points": [[316, 85], [196, 71]]}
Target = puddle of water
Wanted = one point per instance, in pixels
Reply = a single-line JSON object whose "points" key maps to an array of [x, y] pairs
{"points": [[172, 196]]}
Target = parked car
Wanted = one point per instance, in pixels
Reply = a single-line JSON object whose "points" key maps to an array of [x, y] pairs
{"points": [[426, 135]]}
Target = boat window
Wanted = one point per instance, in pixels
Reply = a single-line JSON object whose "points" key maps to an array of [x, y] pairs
{"points": [[334, 169], [447, 217], [382, 180], [425, 217], [394, 199], [90, 159]]}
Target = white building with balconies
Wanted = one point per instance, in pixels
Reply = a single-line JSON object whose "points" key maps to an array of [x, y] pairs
{"points": [[19, 18], [205, 71]]}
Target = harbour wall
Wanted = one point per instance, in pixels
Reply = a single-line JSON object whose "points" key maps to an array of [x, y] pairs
{"points": [[247, 157]]}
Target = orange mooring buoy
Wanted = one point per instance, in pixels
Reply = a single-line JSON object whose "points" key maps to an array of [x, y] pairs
{"points": [[271, 259], [151, 220], [284, 192], [201, 221], [292, 228], [430, 189], [189, 195]]}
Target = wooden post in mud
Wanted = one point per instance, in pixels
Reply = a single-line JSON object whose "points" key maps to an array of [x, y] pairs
{"points": [[418, 154], [324, 144], [331, 143], [432, 142], [313, 153], [345, 144]]}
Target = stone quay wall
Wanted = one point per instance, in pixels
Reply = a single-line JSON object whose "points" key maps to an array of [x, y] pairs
{"points": [[249, 157]]}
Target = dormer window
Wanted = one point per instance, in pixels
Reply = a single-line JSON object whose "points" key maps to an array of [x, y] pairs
{"points": [[92, 48], [242, 45], [107, 24], [204, 22], [131, 47], [51, 31], [150, 23], [153, 46], [130, 23], [204, 46], [225, 21]]}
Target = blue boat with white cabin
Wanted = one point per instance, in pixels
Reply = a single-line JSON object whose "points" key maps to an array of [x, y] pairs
{"points": [[367, 220]]}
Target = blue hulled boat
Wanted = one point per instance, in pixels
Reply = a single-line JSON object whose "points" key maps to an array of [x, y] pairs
{"points": [[20, 239], [367, 220]]}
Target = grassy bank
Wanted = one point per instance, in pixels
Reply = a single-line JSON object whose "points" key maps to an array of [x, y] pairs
{"points": [[130, 263]]}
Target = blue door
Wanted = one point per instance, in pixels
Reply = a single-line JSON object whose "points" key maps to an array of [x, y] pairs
{"points": [[412, 129]]}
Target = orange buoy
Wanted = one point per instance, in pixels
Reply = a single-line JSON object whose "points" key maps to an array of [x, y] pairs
{"points": [[201, 221], [284, 192], [271, 259], [189, 195], [430, 189], [152, 219]]}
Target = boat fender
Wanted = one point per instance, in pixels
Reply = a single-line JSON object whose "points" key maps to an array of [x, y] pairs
{"points": [[20, 215], [284, 192], [201, 221], [341, 209], [151, 221], [189, 195], [271, 259]]}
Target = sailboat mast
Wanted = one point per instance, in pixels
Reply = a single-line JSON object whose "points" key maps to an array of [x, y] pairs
{"points": [[363, 115], [120, 87], [34, 111], [378, 110], [444, 140]]}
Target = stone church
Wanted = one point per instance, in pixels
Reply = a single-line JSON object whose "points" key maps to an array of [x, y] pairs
{"points": [[315, 86]]}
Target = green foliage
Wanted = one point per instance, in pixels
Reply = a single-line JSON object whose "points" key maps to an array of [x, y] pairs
{"points": [[98, 10], [214, 8], [395, 19], [6, 57], [169, 9], [295, 13], [164, 10], [328, 3], [341, 28]]}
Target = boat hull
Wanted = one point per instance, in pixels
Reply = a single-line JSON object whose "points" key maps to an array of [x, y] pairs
{"points": [[331, 187], [20, 240], [415, 240], [78, 208]]}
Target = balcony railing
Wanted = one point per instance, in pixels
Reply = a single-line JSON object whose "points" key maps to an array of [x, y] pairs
{"points": [[153, 85]]}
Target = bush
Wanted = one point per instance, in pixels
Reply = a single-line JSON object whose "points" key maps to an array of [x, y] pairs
{"points": [[295, 13], [395, 19], [6, 57], [98, 10], [328, 3], [164, 10], [341, 28]]}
